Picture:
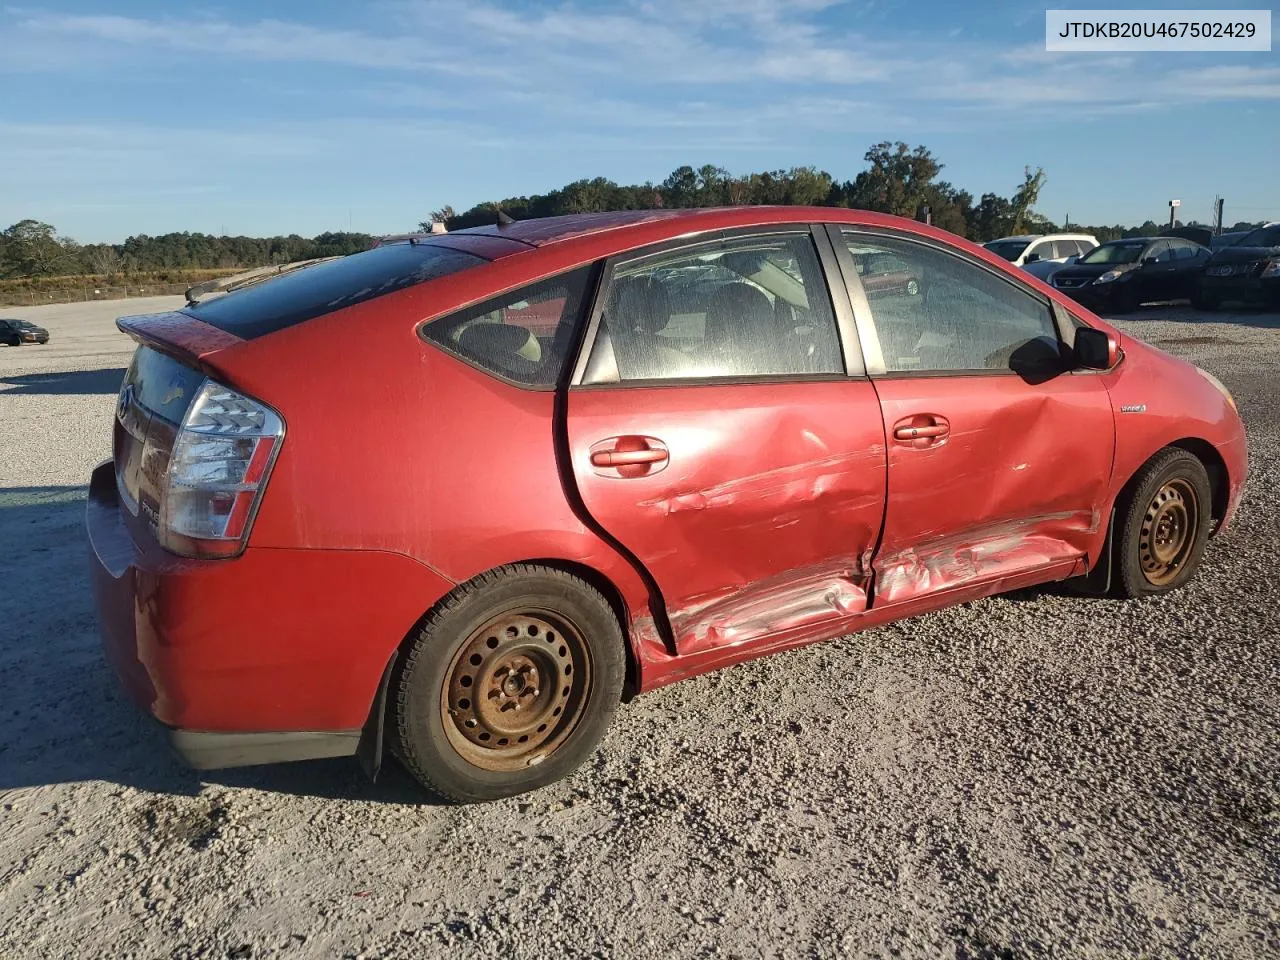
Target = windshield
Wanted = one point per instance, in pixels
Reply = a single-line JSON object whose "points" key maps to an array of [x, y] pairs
{"points": [[1262, 237], [1009, 249], [1114, 253]]}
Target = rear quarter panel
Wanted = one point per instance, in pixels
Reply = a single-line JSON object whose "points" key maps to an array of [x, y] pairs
{"points": [[392, 445]]}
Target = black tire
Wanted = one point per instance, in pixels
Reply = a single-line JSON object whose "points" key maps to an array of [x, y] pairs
{"points": [[1205, 302], [1125, 301], [439, 723], [1143, 567]]}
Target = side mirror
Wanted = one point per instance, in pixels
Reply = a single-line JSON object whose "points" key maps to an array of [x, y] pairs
{"points": [[1032, 258], [1148, 261], [1096, 349]]}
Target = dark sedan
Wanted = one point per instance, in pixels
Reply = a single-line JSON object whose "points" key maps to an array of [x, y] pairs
{"points": [[1247, 271], [17, 332], [1123, 274]]}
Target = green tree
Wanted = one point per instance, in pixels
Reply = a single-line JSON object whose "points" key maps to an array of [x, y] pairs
{"points": [[1024, 199], [32, 248]]}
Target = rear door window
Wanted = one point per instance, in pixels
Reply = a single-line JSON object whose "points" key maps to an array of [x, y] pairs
{"points": [[746, 306], [325, 287]]}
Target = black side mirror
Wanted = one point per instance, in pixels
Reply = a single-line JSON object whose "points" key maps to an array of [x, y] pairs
{"points": [[1032, 258], [1095, 349]]}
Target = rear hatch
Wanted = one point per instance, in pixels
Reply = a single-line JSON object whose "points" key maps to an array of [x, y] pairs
{"points": [[178, 351]]}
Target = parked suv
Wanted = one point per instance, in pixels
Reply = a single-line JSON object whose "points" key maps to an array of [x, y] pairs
{"points": [[1247, 271], [1042, 256], [1121, 275], [454, 492], [17, 332]]}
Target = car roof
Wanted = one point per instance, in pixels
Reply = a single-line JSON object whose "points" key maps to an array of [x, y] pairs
{"points": [[1022, 236], [549, 230]]}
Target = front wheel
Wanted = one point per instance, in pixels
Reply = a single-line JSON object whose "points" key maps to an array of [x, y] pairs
{"points": [[1164, 525], [509, 684], [913, 287], [1204, 301]]}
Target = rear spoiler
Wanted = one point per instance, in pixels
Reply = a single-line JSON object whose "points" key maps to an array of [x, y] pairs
{"points": [[178, 335]]}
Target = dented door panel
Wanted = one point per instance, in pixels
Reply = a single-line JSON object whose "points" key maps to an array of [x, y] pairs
{"points": [[767, 508], [1017, 482]]}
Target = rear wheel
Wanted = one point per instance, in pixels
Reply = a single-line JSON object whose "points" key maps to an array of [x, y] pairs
{"points": [[1164, 525], [509, 684], [913, 287], [1204, 301]]}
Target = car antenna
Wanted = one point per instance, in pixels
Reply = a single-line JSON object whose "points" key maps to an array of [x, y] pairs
{"points": [[504, 220]]}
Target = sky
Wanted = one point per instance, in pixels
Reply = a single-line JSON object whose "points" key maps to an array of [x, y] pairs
{"points": [[299, 117]]}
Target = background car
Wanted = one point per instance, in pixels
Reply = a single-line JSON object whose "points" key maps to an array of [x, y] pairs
{"points": [[883, 274], [1120, 275], [370, 498], [1247, 271], [15, 333], [1218, 241], [1043, 255]]}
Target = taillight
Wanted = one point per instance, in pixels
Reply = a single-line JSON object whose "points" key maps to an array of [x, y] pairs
{"points": [[217, 472]]}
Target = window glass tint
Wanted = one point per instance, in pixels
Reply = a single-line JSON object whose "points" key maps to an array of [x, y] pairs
{"points": [[1161, 252], [1065, 248], [749, 306], [959, 317], [524, 335], [313, 291]]}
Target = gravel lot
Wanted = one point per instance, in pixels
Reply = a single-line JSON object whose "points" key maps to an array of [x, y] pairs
{"points": [[1034, 775]]}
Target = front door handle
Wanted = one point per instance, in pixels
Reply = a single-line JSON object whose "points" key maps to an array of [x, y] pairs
{"points": [[922, 430], [628, 457]]}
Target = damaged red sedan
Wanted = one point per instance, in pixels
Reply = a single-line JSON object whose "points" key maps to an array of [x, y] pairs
{"points": [[455, 495]]}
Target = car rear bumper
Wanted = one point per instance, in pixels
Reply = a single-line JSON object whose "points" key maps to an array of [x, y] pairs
{"points": [[1244, 289], [210, 750], [274, 655]]}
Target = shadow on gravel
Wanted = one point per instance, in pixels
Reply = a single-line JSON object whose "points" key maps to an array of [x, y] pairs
{"points": [[1241, 316], [63, 716], [79, 382]]}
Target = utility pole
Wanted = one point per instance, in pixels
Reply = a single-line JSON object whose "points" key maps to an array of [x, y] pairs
{"points": [[1218, 203], [1173, 211]]}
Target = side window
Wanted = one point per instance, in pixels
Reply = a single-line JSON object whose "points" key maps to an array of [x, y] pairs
{"points": [[1043, 251], [1065, 248], [523, 335], [1161, 251], [747, 306], [962, 316]]}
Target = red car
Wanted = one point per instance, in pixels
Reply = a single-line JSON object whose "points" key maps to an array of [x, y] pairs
{"points": [[384, 500]]}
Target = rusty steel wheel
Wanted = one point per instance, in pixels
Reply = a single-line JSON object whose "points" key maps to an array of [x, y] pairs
{"points": [[1163, 524], [1168, 531], [508, 683], [515, 689]]}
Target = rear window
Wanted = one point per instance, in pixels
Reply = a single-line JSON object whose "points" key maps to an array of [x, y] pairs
{"points": [[523, 336], [313, 291]]}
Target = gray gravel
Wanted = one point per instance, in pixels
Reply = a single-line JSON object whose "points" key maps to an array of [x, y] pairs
{"points": [[1033, 775]]}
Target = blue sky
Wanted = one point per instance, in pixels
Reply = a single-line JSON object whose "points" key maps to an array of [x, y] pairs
{"points": [[303, 117]]}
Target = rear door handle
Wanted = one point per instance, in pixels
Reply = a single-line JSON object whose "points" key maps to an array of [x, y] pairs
{"points": [[922, 430], [912, 433], [628, 456], [619, 458]]}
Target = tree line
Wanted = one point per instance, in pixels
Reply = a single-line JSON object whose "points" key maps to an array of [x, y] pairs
{"points": [[898, 179], [31, 248]]}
